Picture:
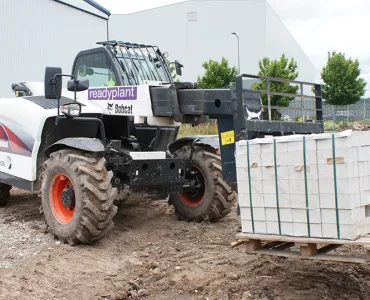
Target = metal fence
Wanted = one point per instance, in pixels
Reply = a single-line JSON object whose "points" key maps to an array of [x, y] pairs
{"points": [[349, 113], [296, 110]]}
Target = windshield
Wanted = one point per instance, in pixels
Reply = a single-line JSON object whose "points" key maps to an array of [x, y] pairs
{"points": [[142, 63]]}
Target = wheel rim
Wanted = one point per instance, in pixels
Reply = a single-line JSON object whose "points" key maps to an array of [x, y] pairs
{"points": [[59, 185], [194, 198]]}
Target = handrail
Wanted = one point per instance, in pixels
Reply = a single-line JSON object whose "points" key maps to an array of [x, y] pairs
{"points": [[301, 95]]}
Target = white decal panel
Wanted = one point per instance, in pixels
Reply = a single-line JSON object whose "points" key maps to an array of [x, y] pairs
{"points": [[122, 100], [17, 165]]}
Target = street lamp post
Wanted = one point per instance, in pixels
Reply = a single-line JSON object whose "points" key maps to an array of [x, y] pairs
{"points": [[238, 50]]}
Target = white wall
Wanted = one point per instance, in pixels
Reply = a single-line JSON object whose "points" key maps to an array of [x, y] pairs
{"points": [[39, 33], [193, 42], [261, 34], [279, 40]]}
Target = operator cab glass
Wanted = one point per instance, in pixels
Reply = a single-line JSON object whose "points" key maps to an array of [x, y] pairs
{"points": [[96, 68], [142, 66]]}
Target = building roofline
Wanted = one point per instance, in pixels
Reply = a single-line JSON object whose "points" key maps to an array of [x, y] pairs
{"points": [[172, 4], [90, 2], [148, 9], [98, 7]]}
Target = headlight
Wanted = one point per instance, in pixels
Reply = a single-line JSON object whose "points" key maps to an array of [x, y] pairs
{"points": [[71, 110]]}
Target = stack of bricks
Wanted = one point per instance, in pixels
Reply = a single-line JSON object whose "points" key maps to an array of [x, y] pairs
{"points": [[294, 198]]}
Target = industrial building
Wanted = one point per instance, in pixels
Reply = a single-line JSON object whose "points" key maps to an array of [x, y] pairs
{"points": [[195, 31], [39, 33]]}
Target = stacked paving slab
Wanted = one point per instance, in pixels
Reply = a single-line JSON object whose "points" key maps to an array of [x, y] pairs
{"points": [[324, 198]]}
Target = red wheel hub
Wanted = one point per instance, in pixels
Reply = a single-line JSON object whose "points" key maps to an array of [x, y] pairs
{"points": [[194, 198], [60, 186]]}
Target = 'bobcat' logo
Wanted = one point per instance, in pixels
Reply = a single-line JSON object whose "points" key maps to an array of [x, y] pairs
{"points": [[110, 107]]}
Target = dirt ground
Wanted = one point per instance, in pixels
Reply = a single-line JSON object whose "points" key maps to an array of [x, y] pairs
{"points": [[152, 255]]}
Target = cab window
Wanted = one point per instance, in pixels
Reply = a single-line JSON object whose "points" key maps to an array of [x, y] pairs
{"points": [[97, 68]]}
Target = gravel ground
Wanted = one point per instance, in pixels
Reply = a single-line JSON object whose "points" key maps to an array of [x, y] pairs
{"points": [[152, 255], [22, 232]]}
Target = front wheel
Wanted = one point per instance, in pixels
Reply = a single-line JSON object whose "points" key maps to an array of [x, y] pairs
{"points": [[212, 199], [77, 196]]}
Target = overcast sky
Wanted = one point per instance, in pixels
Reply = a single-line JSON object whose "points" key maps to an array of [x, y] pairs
{"points": [[319, 26]]}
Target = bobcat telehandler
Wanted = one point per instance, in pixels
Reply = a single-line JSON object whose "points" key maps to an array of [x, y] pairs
{"points": [[112, 135]]}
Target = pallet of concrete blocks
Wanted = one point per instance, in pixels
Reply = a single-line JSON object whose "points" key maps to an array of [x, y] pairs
{"points": [[305, 186]]}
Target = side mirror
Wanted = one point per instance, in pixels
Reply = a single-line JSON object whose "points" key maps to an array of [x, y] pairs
{"points": [[83, 71], [78, 85], [178, 68], [52, 83]]}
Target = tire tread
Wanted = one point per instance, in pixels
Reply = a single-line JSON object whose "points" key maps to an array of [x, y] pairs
{"points": [[223, 196], [97, 195]]}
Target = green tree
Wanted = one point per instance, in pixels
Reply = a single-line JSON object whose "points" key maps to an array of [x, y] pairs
{"points": [[282, 68], [217, 74], [342, 85]]}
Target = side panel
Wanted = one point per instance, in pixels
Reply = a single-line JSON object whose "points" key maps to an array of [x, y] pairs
{"points": [[121, 100], [20, 136], [21, 125], [126, 101], [17, 165], [15, 151]]}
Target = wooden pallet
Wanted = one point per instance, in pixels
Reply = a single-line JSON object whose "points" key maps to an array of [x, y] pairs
{"points": [[297, 247]]}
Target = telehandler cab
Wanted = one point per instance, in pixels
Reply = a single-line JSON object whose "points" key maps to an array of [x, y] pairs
{"points": [[112, 136]]}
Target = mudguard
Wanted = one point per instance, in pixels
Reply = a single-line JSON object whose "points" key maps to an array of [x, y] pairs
{"points": [[209, 140], [84, 144]]}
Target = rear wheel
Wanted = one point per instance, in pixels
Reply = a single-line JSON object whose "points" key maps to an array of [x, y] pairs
{"points": [[212, 199], [4, 193], [77, 197]]}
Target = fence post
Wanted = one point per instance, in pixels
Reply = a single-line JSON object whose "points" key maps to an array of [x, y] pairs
{"points": [[347, 113], [364, 117], [333, 119], [302, 103], [268, 98]]}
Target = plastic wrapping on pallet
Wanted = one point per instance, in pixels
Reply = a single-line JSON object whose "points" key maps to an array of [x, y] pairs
{"points": [[314, 185]]}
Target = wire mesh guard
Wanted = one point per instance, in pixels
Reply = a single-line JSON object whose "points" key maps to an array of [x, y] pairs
{"points": [[139, 62]]}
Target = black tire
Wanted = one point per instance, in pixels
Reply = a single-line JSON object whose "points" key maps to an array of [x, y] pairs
{"points": [[93, 208], [215, 199], [4, 194]]}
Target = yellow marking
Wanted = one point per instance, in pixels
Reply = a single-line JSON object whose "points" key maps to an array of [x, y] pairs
{"points": [[227, 137]]}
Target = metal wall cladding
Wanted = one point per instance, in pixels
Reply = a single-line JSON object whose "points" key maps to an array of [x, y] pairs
{"points": [[39, 33], [195, 31]]}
